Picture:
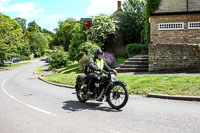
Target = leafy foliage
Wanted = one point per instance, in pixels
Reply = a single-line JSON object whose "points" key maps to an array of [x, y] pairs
{"points": [[10, 36], [23, 49], [38, 43], [84, 61], [34, 27], [59, 58], [136, 49], [151, 6], [103, 28], [22, 22], [63, 35], [109, 59], [48, 32], [84, 48], [79, 44], [132, 20]]}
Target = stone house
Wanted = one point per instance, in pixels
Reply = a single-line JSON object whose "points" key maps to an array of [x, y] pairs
{"points": [[175, 37]]}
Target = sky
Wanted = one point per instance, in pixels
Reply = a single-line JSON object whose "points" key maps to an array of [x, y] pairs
{"points": [[47, 13]]}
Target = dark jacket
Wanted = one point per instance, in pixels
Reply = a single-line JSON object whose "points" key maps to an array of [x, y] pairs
{"points": [[93, 66]]}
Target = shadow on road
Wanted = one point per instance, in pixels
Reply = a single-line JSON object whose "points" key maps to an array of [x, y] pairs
{"points": [[77, 106]]}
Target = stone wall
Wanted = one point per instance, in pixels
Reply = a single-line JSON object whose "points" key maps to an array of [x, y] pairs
{"points": [[193, 5], [172, 6], [178, 6], [174, 58], [175, 36]]}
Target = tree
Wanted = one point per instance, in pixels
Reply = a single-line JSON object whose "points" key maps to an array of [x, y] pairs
{"points": [[34, 27], [132, 21], [63, 35], [10, 36], [71, 20], [38, 43], [49, 33], [22, 22], [78, 37], [103, 28]]}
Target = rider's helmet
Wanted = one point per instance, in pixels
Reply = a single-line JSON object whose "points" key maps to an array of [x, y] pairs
{"points": [[98, 53]]}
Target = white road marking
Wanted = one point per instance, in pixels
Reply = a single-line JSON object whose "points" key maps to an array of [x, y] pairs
{"points": [[28, 105]]}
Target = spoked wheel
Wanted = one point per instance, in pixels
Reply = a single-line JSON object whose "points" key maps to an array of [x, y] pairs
{"points": [[118, 96], [80, 94]]}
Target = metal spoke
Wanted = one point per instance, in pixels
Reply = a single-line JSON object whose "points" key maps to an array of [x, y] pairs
{"points": [[117, 95]]}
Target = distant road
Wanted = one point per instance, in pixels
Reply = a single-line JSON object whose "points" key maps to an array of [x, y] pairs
{"points": [[28, 105]]}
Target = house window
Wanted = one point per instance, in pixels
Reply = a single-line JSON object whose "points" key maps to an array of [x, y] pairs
{"points": [[194, 25], [171, 26]]}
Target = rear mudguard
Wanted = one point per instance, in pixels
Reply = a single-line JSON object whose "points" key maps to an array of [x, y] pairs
{"points": [[81, 79]]}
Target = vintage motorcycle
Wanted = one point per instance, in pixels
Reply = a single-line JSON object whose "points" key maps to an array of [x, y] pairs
{"points": [[107, 88]]}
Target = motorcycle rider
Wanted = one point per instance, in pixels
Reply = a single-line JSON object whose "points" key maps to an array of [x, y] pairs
{"points": [[96, 65]]}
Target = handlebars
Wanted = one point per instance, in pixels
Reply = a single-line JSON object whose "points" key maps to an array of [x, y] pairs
{"points": [[112, 71]]}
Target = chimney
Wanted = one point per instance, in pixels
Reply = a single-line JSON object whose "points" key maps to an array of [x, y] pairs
{"points": [[119, 3]]}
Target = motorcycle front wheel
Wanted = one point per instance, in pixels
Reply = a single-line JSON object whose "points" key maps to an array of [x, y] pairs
{"points": [[117, 96]]}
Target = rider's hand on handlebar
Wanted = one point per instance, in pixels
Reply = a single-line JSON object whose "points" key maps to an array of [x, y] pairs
{"points": [[106, 73], [98, 70]]}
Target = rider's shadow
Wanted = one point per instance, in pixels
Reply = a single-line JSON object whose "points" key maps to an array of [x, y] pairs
{"points": [[78, 106]]}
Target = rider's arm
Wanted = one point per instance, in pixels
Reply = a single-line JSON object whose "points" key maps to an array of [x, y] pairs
{"points": [[106, 67], [91, 65]]}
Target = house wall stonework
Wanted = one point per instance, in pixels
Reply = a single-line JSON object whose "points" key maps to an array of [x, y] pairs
{"points": [[172, 6], [193, 5], [176, 50], [178, 6], [174, 58], [175, 36]]}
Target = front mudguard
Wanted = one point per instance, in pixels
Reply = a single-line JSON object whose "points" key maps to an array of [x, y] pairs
{"points": [[117, 82]]}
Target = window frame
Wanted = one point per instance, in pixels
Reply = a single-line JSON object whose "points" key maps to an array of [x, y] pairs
{"points": [[193, 28], [171, 26]]}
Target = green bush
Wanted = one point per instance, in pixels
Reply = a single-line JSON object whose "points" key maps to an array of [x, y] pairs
{"points": [[60, 58], [136, 49], [121, 54], [87, 48], [84, 61], [24, 57]]}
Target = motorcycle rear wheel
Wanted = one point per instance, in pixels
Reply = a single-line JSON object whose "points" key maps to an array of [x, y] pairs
{"points": [[117, 96], [80, 94]]}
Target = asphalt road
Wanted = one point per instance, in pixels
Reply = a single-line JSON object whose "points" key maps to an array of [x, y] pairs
{"points": [[28, 105]]}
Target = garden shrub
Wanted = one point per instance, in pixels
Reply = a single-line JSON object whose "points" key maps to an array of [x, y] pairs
{"points": [[109, 59], [84, 61], [60, 58], [136, 49], [86, 48], [121, 54]]}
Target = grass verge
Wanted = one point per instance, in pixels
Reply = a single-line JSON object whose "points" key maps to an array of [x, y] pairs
{"points": [[144, 84], [65, 79], [39, 70], [73, 68], [7, 67]]}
